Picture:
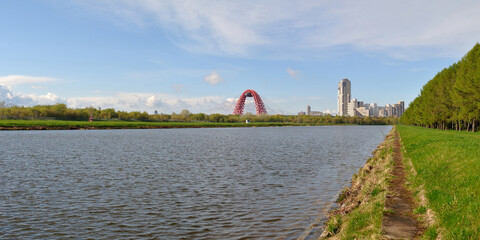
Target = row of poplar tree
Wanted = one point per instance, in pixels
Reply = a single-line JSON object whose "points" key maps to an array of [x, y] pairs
{"points": [[451, 100]]}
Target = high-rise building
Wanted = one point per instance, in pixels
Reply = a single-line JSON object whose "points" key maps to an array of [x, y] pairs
{"points": [[381, 112], [308, 109], [373, 110], [343, 97], [401, 108], [353, 107], [388, 110]]}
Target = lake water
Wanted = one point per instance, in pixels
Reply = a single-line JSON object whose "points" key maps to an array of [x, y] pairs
{"points": [[224, 183]]}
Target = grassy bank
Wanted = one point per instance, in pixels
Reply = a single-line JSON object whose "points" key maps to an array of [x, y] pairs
{"points": [[447, 165], [442, 169], [361, 206], [58, 124]]}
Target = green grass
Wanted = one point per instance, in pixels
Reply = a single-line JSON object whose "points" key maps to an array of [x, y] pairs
{"points": [[334, 224], [59, 124], [376, 191], [369, 186], [366, 221], [420, 210], [448, 167]]}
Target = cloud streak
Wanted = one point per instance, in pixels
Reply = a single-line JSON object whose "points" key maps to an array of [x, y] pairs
{"points": [[398, 28], [13, 80]]}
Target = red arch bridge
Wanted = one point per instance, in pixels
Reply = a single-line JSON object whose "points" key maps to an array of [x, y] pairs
{"points": [[259, 105]]}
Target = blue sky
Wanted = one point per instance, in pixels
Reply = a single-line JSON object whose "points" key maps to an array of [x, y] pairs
{"points": [[148, 55]]}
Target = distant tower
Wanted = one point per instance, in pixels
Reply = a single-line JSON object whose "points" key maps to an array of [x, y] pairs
{"points": [[308, 109], [401, 108], [343, 97]]}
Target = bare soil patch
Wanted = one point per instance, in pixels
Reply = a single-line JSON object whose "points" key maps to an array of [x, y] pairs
{"points": [[398, 220]]}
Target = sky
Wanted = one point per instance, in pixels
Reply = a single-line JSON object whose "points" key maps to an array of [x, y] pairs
{"points": [[200, 55]]}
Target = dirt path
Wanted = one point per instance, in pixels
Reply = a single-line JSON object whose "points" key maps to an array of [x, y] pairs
{"points": [[398, 221]]}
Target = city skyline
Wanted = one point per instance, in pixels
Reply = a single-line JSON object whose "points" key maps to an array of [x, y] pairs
{"points": [[201, 55], [349, 106]]}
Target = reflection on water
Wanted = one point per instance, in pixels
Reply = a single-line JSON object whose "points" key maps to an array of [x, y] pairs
{"points": [[227, 183]]}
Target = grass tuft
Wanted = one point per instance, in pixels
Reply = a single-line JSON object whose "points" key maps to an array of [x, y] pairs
{"points": [[376, 191], [342, 195], [430, 233], [420, 210], [333, 225]]}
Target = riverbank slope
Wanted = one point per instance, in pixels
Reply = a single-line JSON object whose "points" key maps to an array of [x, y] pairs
{"points": [[441, 172], [361, 206]]}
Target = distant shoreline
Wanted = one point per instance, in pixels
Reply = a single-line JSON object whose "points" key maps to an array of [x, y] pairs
{"points": [[12, 125]]}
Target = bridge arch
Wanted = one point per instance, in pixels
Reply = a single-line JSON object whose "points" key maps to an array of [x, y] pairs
{"points": [[259, 105]]}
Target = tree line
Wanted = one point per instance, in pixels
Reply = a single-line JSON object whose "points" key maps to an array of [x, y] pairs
{"points": [[451, 100], [61, 112]]}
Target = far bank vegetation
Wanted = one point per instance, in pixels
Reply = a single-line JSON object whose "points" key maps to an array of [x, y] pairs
{"points": [[62, 112]]}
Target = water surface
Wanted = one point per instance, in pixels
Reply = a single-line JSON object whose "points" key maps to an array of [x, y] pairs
{"points": [[224, 183]]}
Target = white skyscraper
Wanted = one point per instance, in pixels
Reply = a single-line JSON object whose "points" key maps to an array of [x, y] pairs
{"points": [[343, 97], [346, 106], [373, 110]]}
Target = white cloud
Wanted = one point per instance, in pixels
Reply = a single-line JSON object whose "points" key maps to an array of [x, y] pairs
{"points": [[232, 100], [403, 29], [180, 88], [213, 78], [9, 97], [6, 94], [206, 26], [293, 73], [151, 101], [128, 101], [398, 28], [124, 101], [49, 98], [13, 80], [330, 112]]}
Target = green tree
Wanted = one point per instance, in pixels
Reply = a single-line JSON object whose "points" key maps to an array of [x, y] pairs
{"points": [[198, 117], [467, 87]]}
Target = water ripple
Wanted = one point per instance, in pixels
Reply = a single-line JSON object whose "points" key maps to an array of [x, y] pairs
{"points": [[242, 183]]}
